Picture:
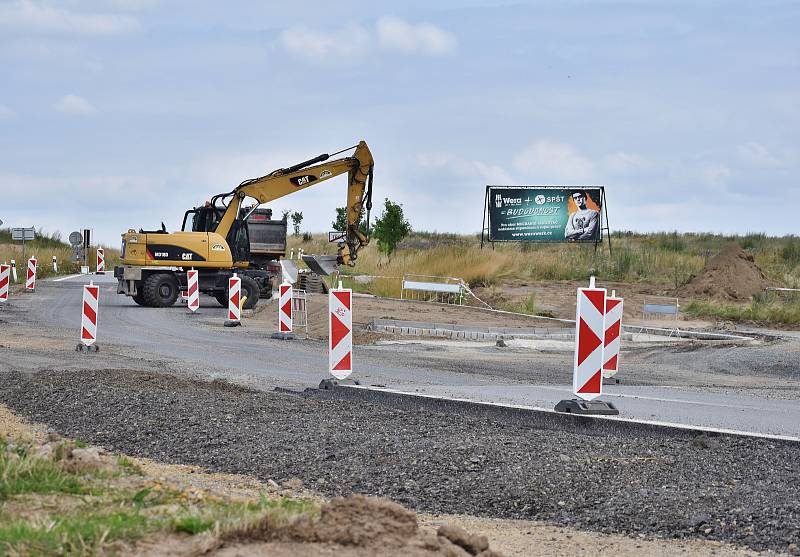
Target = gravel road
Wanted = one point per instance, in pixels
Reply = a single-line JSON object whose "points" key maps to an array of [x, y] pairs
{"points": [[742, 491]]}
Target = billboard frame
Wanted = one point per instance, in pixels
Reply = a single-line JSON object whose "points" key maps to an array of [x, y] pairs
{"points": [[486, 228]]}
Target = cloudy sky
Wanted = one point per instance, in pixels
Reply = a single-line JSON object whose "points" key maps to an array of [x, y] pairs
{"points": [[124, 113]]}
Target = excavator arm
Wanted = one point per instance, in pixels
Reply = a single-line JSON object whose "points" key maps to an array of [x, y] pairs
{"points": [[285, 181]]}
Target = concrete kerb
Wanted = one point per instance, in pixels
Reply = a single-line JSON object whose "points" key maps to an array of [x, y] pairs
{"points": [[538, 418]]}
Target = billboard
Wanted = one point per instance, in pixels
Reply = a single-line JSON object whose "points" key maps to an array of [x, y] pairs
{"points": [[544, 213]]}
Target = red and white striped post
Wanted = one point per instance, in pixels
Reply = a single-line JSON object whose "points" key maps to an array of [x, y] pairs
{"points": [[5, 279], [30, 281], [340, 332], [192, 290], [587, 379], [101, 261], [611, 340], [91, 295], [285, 308], [234, 297]]}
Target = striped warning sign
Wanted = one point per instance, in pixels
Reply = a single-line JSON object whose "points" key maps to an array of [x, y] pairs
{"points": [[193, 290], [30, 280], [101, 261], [340, 332], [91, 294], [234, 299], [587, 381], [285, 308], [5, 279], [611, 340]]}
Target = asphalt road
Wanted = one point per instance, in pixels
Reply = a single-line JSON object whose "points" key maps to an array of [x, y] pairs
{"points": [[174, 333]]}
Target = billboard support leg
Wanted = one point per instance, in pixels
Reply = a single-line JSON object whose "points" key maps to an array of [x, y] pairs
{"points": [[485, 208], [605, 213]]}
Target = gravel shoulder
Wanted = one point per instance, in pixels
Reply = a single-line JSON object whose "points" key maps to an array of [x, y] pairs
{"points": [[725, 490]]}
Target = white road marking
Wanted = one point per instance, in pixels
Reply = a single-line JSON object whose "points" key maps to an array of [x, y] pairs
{"points": [[676, 425], [66, 278]]}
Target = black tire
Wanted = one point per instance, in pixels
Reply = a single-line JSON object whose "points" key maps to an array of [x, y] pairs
{"points": [[160, 290], [139, 298], [249, 288]]}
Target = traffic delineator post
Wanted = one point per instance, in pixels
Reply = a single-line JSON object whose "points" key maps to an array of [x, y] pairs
{"points": [[234, 300], [101, 261], [5, 279], [30, 280], [14, 270], [89, 317], [285, 308], [611, 339], [55, 264], [587, 374], [340, 332], [192, 290]]}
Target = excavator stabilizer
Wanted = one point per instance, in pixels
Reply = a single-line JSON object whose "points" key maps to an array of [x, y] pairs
{"points": [[322, 264]]}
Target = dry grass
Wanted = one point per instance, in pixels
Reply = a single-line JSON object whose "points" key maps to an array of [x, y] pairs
{"points": [[665, 260]]}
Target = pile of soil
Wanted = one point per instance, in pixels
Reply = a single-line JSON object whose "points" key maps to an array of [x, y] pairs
{"points": [[732, 275]]}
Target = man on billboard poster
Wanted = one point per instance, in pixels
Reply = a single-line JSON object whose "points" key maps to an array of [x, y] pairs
{"points": [[584, 223]]}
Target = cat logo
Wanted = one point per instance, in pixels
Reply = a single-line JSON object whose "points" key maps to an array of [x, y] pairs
{"points": [[217, 247], [303, 180]]}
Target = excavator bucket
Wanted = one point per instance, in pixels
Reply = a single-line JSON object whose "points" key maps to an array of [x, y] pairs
{"points": [[321, 264]]}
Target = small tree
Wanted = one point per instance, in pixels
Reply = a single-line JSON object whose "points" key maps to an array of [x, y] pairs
{"points": [[285, 214], [391, 227], [297, 218], [340, 224]]}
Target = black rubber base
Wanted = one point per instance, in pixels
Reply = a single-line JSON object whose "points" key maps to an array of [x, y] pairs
{"points": [[83, 348], [578, 406], [328, 384], [232, 323], [610, 381], [283, 336]]}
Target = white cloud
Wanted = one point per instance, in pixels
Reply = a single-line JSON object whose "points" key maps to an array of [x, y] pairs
{"points": [[716, 173], [5, 112], [349, 41], [621, 162], [464, 168], [397, 34], [553, 161], [32, 16], [757, 154], [73, 104]]}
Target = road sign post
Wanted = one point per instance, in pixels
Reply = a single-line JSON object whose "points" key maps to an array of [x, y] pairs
{"points": [[89, 314], [5, 279], [234, 297], [23, 235], [192, 291], [101, 261], [587, 376], [340, 332], [30, 280], [285, 313], [611, 340]]}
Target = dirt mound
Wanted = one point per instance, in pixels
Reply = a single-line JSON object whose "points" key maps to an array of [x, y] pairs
{"points": [[732, 275], [356, 526]]}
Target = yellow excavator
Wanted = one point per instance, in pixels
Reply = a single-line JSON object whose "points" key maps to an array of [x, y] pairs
{"points": [[215, 240]]}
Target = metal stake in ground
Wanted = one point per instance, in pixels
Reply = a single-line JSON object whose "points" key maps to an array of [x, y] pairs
{"points": [[91, 297], [192, 290], [101, 261], [285, 312], [234, 295], [340, 332], [587, 377], [30, 281], [5, 278], [611, 340]]}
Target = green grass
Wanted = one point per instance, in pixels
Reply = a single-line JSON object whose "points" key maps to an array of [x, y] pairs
{"points": [[193, 524], [765, 309], [22, 473]]}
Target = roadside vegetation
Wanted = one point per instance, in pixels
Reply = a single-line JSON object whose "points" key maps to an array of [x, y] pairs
{"points": [[58, 498], [666, 260], [44, 247], [766, 308]]}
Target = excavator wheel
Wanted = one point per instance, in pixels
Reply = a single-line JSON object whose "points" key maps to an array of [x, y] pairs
{"points": [[249, 288], [139, 299], [160, 290]]}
